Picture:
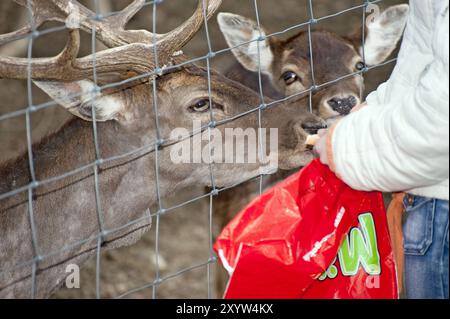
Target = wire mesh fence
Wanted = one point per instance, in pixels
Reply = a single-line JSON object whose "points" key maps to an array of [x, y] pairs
{"points": [[160, 142]]}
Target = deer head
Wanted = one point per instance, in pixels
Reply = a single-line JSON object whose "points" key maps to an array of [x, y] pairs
{"points": [[132, 132], [287, 64]]}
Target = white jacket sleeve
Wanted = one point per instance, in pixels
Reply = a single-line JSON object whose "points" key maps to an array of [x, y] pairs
{"points": [[403, 145]]}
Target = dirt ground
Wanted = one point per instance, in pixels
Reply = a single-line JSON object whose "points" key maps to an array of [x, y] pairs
{"points": [[184, 236]]}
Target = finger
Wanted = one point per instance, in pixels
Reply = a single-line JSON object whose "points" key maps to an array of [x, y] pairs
{"points": [[316, 152], [324, 159], [322, 132]]}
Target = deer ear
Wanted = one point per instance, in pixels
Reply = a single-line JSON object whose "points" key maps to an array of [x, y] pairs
{"points": [[80, 98], [384, 32], [238, 30]]}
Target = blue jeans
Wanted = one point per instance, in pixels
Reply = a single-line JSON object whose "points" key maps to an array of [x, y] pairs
{"points": [[426, 248]]}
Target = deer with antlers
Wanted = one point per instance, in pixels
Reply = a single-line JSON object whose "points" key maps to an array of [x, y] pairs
{"points": [[92, 182]]}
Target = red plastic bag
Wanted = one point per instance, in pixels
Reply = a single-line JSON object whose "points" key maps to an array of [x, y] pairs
{"points": [[310, 236]]}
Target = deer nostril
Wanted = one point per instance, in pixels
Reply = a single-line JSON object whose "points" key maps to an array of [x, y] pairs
{"points": [[343, 105], [352, 101], [313, 127]]}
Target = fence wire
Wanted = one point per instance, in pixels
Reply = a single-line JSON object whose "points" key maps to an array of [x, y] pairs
{"points": [[160, 142]]}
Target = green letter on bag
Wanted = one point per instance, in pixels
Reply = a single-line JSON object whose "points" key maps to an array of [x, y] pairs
{"points": [[360, 247]]}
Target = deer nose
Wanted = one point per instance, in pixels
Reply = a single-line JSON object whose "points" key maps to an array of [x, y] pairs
{"points": [[313, 127], [343, 105]]}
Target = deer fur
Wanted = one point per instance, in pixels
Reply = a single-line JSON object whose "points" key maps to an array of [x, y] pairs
{"points": [[334, 56], [68, 212]]}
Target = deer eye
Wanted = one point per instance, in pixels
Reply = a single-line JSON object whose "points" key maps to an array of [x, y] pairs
{"points": [[201, 106], [360, 66], [290, 77]]}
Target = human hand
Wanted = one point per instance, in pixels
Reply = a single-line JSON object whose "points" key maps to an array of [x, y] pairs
{"points": [[321, 149]]}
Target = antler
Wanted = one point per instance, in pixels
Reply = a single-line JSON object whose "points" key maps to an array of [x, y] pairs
{"points": [[130, 52]]}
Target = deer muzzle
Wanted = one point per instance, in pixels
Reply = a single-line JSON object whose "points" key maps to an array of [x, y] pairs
{"points": [[343, 105]]}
